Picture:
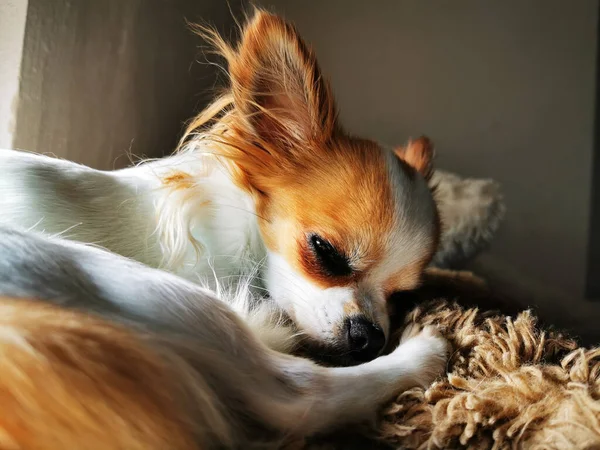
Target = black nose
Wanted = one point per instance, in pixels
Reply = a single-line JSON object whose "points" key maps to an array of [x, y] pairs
{"points": [[365, 338]]}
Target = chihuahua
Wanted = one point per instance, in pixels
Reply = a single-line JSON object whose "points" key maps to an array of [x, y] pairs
{"points": [[265, 177]]}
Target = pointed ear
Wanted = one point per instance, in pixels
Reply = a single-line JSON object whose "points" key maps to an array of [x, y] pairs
{"points": [[419, 155], [277, 86]]}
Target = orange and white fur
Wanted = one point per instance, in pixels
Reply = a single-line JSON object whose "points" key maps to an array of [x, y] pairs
{"points": [[123, 356], [266, 177], [103, 350]]}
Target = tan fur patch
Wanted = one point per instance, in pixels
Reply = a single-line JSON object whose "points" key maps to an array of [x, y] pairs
{"points": [[178, 180], [350, 208], [408, 277], [351, 309], [418, 154], [70, 381]]}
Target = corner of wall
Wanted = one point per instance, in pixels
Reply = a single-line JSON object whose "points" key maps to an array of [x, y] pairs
{"points": [[13, 15]]}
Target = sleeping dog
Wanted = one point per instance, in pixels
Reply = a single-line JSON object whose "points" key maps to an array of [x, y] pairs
{"points": [[102, 350], [266, 177]]}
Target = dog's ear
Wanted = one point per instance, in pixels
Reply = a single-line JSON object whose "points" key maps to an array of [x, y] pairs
{"points": [[419, 155], [277, 86]]}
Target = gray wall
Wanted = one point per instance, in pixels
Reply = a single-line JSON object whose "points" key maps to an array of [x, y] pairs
{"points": [[12, 29], [505, 89], [103, 78]]}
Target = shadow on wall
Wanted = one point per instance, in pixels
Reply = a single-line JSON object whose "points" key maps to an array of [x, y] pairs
{"points": [[101, 79]]}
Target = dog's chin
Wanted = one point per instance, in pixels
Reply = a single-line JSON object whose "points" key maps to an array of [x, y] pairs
{"points": [[330, 354], [339, 360]]}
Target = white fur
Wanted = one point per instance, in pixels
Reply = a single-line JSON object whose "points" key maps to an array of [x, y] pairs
{"points": [[204, 230], [206, 233], [320, 312], [215, 357]]}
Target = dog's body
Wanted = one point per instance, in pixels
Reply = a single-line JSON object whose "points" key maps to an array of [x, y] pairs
{"points": [[185, 373], [335, 224], [123, 211]]}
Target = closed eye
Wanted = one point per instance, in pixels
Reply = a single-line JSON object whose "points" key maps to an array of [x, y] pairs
{"points": [[333, 262]]}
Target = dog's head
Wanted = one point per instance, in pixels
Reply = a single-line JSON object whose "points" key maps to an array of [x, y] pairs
{"points": [[346, 222]]}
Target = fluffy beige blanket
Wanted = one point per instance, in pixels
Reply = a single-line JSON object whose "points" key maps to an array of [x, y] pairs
{"points": [[510, 383]]}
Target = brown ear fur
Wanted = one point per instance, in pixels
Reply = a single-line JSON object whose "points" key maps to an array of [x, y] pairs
{"points": [[279, 111], [419, 155], [277, 85]]}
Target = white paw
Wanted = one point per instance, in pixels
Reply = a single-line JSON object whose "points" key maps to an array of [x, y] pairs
{"points": [[425, 353]]}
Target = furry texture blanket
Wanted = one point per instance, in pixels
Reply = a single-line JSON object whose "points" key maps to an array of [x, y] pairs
{"points": [[511, 382], [471, 210], [509, 385]]}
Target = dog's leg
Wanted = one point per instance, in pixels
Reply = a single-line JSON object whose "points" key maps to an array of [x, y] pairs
{"points": [[296, 398], [207, 344], [330, 397]]}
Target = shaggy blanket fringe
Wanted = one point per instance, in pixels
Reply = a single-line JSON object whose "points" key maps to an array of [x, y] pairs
{"points": [[508, 385]]}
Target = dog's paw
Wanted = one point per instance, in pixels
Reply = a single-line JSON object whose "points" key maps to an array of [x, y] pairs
{"points": [[426, 353]]}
